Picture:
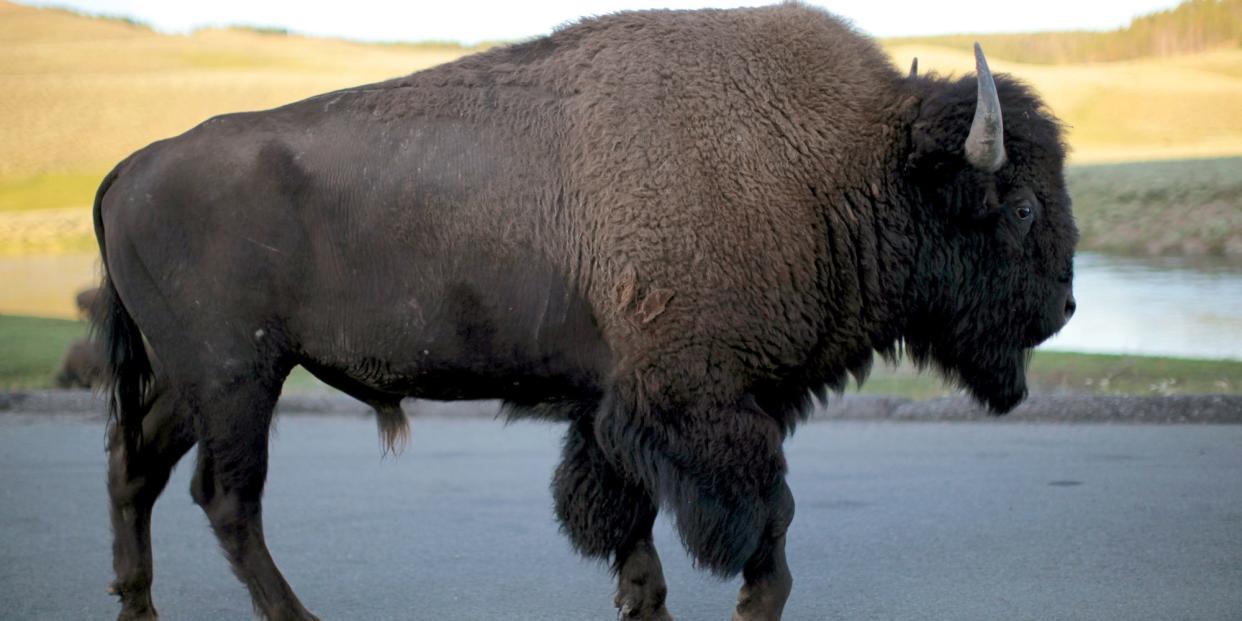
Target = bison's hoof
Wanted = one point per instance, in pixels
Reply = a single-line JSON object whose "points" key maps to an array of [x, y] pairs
{"points": [[138, 615], [628, 611]]}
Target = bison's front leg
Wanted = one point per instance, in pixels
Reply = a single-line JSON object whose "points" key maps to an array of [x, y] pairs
{"points": [[767, 578], [608, 516], [721, 470]]}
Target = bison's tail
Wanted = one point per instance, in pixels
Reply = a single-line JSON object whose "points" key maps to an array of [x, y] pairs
{"points": [[127, 368]]}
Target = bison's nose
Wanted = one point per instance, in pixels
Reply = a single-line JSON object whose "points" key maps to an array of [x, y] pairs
{"points": [[1070, 307]]}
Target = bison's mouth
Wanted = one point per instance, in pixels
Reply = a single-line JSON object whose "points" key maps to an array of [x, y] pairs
{"points": [[1042, 330], [1057, 314]]}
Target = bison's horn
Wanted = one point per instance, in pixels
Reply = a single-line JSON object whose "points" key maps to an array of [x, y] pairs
{"points": [[914, 68], [985, 146]]}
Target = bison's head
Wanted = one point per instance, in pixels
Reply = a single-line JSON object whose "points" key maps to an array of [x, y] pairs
{"points": [[994, 261]]}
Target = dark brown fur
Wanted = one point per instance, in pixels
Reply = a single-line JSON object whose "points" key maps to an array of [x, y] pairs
{"points": [[668, 228]]}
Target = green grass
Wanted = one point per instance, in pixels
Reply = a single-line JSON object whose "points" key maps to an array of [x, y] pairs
{"points": [[1189, 207], [1104, 374], [301, 381], [31, 350], [1070, 373]]}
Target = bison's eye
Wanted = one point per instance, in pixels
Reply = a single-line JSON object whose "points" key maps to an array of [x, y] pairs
{"points": [[1023, 212]]}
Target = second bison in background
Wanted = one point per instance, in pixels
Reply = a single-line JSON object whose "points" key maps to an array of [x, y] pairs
{"points": [[83, 363], [666, 228]]}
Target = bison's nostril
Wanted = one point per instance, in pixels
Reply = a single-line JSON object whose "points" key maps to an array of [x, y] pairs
{"points": [[1070, 307]]}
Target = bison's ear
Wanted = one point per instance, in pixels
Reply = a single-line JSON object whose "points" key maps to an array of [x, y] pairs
{"points": [[936, 128], [934, 151]]}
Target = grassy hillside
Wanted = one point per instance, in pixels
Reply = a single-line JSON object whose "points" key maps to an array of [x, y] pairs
{"points": [[79, 93], [1186, 207], [1148, 109]]}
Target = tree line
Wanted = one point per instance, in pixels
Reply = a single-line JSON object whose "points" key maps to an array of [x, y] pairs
{"points": [[1193, 26]]}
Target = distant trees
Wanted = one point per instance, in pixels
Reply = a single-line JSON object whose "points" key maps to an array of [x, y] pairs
{"points": [[1192, 26]]}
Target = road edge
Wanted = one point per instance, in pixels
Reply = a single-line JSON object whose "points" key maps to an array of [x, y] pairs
{"points": [[1173, 409]]}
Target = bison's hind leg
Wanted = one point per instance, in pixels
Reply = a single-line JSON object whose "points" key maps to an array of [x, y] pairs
{"points": [[721, 470], [133, 487], [233, 414], [607, 517]]}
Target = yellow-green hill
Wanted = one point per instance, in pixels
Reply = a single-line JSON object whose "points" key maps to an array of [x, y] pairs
{"points": [[1153, 108], [79, 93]]}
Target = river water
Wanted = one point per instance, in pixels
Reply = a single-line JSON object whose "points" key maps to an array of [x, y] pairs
{"points": [[1156, 306], [1170, 306]]}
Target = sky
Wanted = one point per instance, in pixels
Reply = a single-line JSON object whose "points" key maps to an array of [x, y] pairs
{"points": [[471, 22]]}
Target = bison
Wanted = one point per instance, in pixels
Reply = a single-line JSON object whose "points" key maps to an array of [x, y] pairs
{"points": [[85, 301], [81, 367], [668, 229]]}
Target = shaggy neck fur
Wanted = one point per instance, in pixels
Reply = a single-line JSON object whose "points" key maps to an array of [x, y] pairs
{"points": [[887, 231]]}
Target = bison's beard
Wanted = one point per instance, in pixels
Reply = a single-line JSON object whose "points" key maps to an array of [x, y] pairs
{"points": [[1001, 385], [995, 377]]}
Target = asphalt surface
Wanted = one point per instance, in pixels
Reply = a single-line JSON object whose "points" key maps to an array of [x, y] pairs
{"points": [[961, 521]]}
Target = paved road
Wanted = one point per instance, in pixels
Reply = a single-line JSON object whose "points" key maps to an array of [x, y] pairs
{"points": [[956, 521]]}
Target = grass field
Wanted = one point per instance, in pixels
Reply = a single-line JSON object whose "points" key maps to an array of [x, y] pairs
{"points": [[31, 350], [1189, 207], [80, 93], [1070, 373]]}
